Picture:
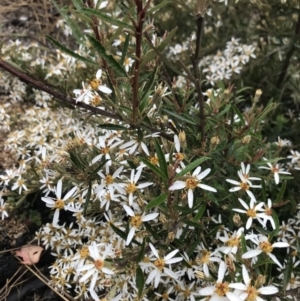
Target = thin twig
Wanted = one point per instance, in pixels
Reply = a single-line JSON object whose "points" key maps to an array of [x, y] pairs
{"points": [[195, 61], [48, 89], [289, 54]]}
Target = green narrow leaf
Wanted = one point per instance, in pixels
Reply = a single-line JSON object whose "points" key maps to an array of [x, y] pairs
{"points": [[125, 49], [157, 201], [277, 225], [161, 158], [121, 233], [264, 195], [142, 252], [287, 273], [106, 18], [148, 86], [243, 243], [87, 198], [70, 52], [181, 117], [152, 54], [154, 168], [281, 192], [191, 166], [140, 281], [115, 127], [107, 57], [200, 212], [159, 6], [237, 111]]}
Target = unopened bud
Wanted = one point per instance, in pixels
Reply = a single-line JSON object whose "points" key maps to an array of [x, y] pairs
{"points": [[215, 140], [246, 139], [236, 219], [257, 95]]}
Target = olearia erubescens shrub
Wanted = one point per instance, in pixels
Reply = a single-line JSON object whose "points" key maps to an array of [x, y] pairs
{"points": [[163, 152]]}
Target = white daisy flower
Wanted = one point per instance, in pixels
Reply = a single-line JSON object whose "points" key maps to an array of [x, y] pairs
{"points": [[60, 203], [136, 221], [264, 246], [249, 292], [192, 182]]}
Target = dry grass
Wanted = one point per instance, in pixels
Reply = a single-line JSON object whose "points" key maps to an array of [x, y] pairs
{"points": [[28, 18]]}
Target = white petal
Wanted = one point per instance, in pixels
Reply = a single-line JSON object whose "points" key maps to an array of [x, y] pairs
{"points": [[206, 187], [58, 189], [276, 177], [56, 217], [171, 254], [251, 254], [107, 271], [246, 276], [128, 210], [151, 276], [221, 271], [70, 193], [190, 198], [177, 143], [233, 182], [232, 297], [149, 217], [137, 175], [196, 171], [177, 185], [105, 89], [249, 223], [203, 174], [234, 189], [244, 204], [273, 257], [268, 290], [170, 273], [94, 295], [130, 235], [207, 291], [280, 245], [145, 148], [86, 276], [173, 260], [238, 286], [99, 74], [154, 251]]}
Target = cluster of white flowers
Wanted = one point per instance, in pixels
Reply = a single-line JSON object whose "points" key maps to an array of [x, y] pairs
{"points": [[122, 244]]}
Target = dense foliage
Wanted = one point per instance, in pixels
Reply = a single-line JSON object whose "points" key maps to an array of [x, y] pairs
{"points": [[169, 136]]}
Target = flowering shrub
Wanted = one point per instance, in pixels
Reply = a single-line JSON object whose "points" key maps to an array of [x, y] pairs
{"points": [[151, 158]]}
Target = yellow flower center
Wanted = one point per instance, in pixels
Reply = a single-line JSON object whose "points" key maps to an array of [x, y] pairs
{"points": [[251, 212], [136, 221], [244, 186], [191, 183], [233, 242], [268, 211], [99, 264], [105, 150], [84, 252], [252, 293], [222, 288], [266, 247], [95, 83], [131, 188], [275, 169], [109, 180], [59, 204], [96, 100], [154, 160], [159, 263], [179, 157], [205, 256]]}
